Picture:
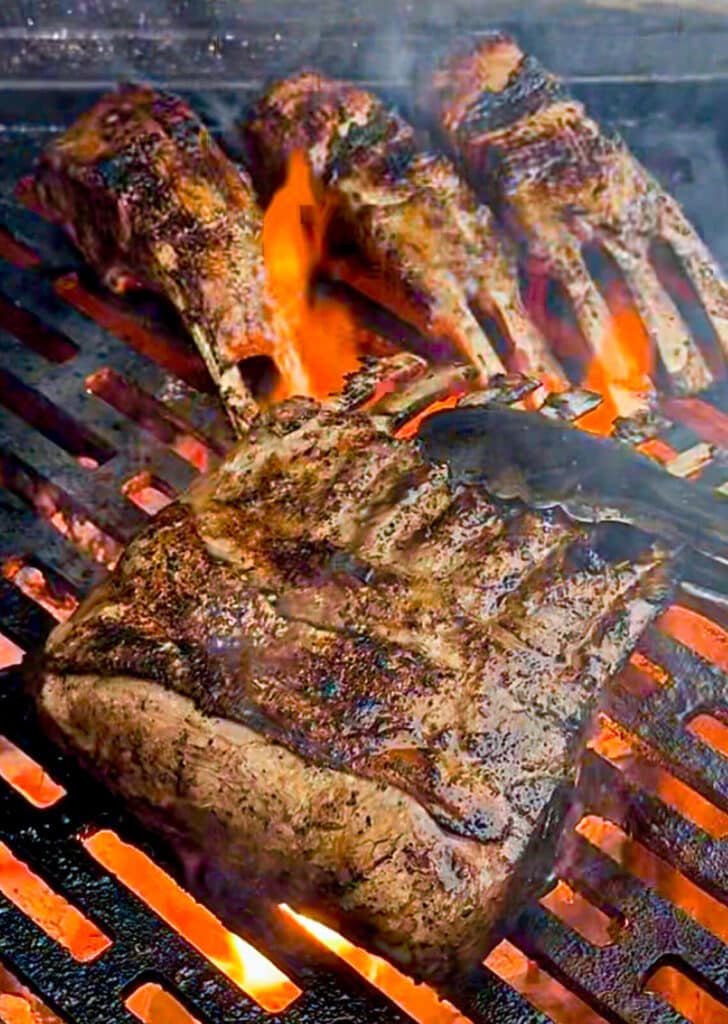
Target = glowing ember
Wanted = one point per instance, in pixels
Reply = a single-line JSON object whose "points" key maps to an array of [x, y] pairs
{"points": [[27, 777], [194, 452], [686, 997], [18, 1005], [34, 585], [656, 673], [152, 1005], [317, 346], [142, 491], [705, 420], [87, 536], [575, 910], [240, 962], [419, 1001], [712, 731], [637, 763], [178, 358], [656, 873], [51, 912], [539, 988], [151, 415], [16, 252], [693, 630], [10, 653], [658, 450]]}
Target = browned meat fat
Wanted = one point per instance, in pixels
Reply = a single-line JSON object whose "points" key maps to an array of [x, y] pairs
{"points": [[413, 217], [349, 682], [152, 201], [560, 181]]}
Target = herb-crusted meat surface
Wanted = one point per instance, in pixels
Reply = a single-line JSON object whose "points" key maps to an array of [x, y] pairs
{"points": [[152, 201], [338, 674]]}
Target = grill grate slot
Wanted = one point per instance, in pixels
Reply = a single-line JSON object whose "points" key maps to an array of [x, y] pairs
{"points": [[688, 992]]}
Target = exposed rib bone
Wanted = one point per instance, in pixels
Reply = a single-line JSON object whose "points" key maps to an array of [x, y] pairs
{"points": [[560, 181], [665, 327], [698, 263], [417, 222]]}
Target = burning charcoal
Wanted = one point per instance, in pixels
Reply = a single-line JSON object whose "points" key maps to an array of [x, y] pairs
{"points": [[351, 682], [634, 430], [416, 221], [379, 377], [570, 405], [506, 389], [399, 407], [594, 479], [169, 212], [561, 182]]}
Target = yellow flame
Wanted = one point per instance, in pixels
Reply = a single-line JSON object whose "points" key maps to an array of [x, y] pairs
{"points": [[419, 1001]]}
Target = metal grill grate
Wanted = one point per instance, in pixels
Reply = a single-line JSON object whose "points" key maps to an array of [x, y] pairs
{"points": [[50, 486]]}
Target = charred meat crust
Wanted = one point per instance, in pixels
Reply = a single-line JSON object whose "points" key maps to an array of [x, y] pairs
{"points": [[152, 201], [334, 594], [559, 181]]}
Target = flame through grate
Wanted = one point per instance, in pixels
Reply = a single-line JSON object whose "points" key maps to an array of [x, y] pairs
{"points": [[101, 424]]}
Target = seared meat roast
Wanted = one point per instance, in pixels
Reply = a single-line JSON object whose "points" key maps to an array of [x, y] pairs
{"points": [[559, 182], [349, 681], [413, 216], [152, 201]]}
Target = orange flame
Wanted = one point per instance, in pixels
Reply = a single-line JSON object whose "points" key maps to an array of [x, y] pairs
{"points": [[419, 1001], [620, 373], [257, 976], [318, 336]]}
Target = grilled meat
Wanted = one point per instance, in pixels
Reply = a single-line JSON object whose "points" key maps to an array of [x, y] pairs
{"points": [[594, 479], [559, 182], [342, 675], [411, 214], [151, 200]]}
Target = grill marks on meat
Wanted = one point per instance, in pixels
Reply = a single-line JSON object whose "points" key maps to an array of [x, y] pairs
{"points": [[411, 214], [450, 653], [560, 182], [152, 201]]}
